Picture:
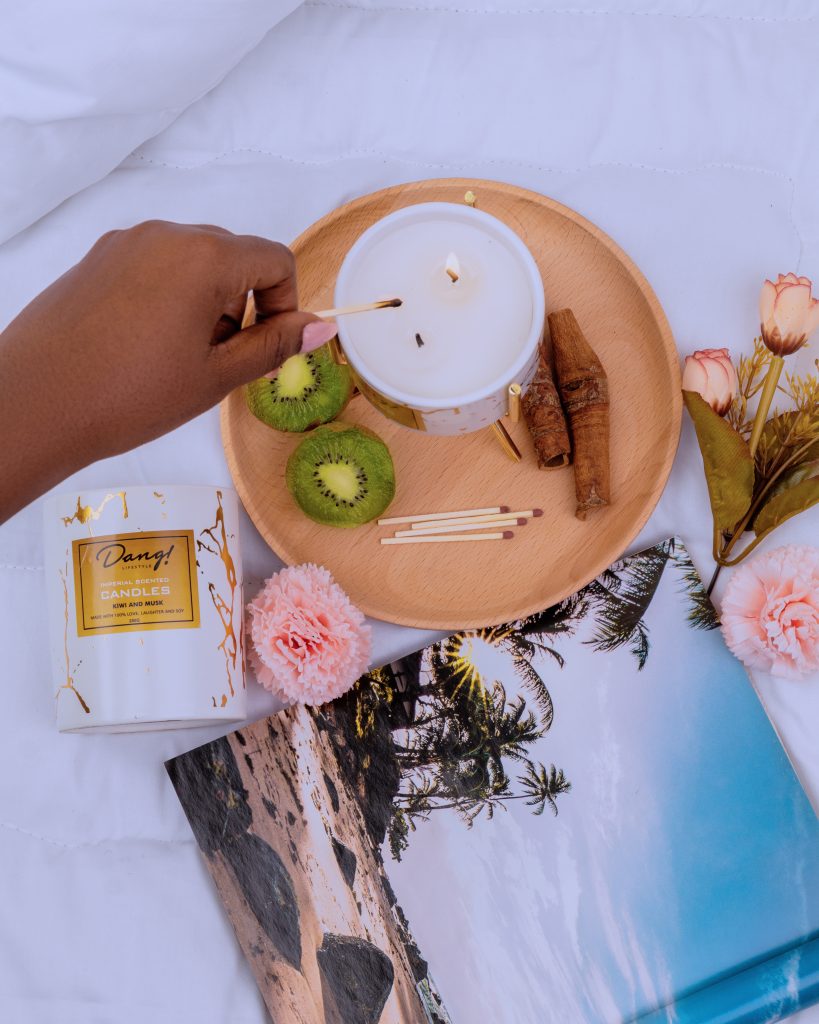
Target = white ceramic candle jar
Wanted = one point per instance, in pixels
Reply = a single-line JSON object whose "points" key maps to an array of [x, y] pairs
{"points": [[470, 322], [144, 589]]}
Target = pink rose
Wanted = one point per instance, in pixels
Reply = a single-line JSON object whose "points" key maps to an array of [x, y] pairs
{"points": [[710, 372], [770, 613], [788, 313], [309, 644]]}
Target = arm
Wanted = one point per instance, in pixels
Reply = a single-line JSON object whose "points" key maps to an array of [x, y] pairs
{"points": [[141, 335]]}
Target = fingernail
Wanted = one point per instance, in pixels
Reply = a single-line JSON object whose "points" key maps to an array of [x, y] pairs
{"points": [[316, 334]]}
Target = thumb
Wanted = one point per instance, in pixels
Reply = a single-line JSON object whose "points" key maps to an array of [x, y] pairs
{"points": [[264, 346]]}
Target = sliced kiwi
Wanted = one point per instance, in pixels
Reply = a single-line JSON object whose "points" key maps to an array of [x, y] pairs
{"points": [[341, 475], [308, 390]]}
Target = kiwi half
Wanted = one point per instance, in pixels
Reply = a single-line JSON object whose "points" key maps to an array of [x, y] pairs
{"points": [[308, 390], [341, 475]]}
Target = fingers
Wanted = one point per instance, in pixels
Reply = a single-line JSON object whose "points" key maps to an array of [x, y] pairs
{"points": [[259, 349], [264, 267], [230, 321]]}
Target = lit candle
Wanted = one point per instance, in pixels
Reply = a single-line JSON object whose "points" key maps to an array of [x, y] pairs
{"points": [[470, 322]]}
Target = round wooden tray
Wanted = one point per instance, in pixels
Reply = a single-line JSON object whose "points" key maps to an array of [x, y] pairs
{"points": [[451, 586]]}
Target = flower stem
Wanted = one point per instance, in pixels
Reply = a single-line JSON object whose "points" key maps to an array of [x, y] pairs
{"points": [[765, 399], [712, 584]]}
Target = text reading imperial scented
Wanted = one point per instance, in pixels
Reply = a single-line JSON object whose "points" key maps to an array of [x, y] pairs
{"points": [[145, 607]]}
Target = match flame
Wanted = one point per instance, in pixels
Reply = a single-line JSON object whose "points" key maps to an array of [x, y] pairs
{"points": [[453, 267]]}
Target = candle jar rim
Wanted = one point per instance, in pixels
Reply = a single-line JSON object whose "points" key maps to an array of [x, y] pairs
{"points": [[514, 242], [61, 491]]}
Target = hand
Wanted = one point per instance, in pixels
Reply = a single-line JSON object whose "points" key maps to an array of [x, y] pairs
{"points": [[141, 335]]}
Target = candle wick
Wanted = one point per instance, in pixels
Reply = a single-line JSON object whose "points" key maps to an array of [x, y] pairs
{"points": [[452, 275], [419, 341]]}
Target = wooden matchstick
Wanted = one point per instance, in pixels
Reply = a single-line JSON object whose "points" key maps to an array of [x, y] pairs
{"points": [[448, 538], [481, 520], [327, 314], [419, 529], [495, 510]]}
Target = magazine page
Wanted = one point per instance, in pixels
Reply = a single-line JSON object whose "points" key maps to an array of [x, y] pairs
{"points": [[583, 816]]}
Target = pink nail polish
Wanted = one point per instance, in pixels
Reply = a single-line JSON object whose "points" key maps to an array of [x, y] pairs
{"points": [[316, 334]]}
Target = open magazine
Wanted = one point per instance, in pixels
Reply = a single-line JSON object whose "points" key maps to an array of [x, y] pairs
{"points": [[583, 817]]}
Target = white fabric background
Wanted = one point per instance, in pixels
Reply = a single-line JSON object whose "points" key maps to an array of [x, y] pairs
{"points": [[687, 130]]}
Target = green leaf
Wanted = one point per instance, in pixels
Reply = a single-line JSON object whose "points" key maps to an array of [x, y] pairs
{"points": [[779, 426], [729, 468], [785, 505]]}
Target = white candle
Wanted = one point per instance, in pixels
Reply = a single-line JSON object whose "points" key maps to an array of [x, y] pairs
{"points": [[472, 311]]}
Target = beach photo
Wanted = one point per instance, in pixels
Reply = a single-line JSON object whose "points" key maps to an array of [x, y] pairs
{"points": [[472, 835]]}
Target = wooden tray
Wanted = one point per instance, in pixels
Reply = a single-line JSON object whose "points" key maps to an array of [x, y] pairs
{"points": [[449, 586]]}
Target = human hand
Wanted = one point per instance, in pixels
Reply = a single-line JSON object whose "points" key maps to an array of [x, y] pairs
{"points": [[141, 335]]}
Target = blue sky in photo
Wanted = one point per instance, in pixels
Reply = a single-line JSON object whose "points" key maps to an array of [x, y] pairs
{"points": [[686, 848]]}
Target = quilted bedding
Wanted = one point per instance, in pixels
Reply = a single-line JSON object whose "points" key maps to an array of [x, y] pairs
{"points": [[685, 129]]}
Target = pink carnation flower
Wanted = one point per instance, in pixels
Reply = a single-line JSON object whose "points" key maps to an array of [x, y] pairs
{"points": [[308, 642], [770, 612]]}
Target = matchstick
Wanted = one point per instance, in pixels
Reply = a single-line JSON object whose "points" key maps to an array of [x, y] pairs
{"points": [[426, 528], [481, 520], [496, 510], [448, 538], [364, 307]]}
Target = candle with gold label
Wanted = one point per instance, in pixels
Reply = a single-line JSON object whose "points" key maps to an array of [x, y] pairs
{"points": [[145, 608]]}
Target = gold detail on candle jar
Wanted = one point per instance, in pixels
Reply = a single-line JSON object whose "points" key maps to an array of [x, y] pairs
{"points": [[402, 414], [134, 582], [470, 198], [69, 679], [337, 352], [514, 402], [85, 513], [230, 646], [160, 497], [506, 441]]}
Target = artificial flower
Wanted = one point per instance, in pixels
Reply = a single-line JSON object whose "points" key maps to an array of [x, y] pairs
{"points": [[710, 372], [788, 313], [770, 612], [308, 642]]}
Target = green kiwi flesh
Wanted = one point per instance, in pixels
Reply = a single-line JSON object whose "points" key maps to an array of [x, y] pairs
{"points": [[308, 390], [341, 475]]}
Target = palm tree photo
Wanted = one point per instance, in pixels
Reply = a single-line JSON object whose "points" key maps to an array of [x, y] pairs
{"points": [[456, 741]]}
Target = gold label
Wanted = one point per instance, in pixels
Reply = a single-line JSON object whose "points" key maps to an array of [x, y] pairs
{"points": [[129, 582]]}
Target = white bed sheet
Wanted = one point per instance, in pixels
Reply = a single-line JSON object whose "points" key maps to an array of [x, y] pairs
{"points": [[687, 130]]}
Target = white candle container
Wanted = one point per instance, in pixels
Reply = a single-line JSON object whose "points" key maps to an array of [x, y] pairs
{"points": [[444, 360], [144, 589]]}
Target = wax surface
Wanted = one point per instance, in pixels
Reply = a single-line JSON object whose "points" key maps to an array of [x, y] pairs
{"points": [[471, 330]]}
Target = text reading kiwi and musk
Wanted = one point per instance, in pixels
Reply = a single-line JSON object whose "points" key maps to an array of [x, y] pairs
{"points": [[127, 582]]}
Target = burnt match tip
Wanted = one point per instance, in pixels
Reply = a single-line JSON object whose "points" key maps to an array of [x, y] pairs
{"points": [[522, 522], [508, 535], [536, 512], [395, 302], [505, 508]]}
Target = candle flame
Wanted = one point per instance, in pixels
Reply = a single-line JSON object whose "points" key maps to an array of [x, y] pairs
{"points": [[452, 267]]}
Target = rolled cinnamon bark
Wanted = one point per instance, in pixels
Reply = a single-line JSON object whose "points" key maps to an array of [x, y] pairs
{"points": [[584, 391], [545, 420]]}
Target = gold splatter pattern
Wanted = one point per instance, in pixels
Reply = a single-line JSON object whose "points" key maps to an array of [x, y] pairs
{"points": [[69, 679], [232, 645], [87, 513]]}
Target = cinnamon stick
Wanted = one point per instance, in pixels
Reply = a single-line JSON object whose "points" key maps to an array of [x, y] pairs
{"points": [[544, 418], [584, 391]]}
